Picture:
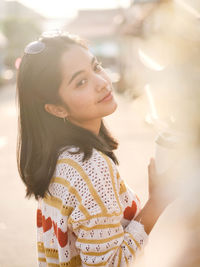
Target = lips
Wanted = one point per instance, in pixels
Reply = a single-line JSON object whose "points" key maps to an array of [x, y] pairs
{"points": [[107, 96]]}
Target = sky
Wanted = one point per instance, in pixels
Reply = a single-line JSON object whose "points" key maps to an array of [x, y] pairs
{"points": [[68, 8]]}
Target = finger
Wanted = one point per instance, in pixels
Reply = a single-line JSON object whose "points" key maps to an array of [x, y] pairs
{"points": [[152, 164], [151, 170]]}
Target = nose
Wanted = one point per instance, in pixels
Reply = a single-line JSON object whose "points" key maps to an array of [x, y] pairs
{"points": [[101, 83]]}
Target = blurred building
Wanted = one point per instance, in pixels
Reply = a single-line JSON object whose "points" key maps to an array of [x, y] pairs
{"points": [[18, 25], [133, 28], [3, 42], [16, 9]]}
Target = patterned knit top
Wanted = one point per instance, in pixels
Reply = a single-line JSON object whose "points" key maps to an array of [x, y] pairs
{"points": [[87, 218]]}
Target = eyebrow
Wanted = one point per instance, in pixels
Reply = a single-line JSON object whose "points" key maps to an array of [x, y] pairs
{"points": [[80, 71]]}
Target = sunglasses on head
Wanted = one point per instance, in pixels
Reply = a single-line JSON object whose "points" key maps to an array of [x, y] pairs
{"points": [[37, 47]]}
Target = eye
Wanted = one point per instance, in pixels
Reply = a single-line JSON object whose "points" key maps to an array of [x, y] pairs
{"points": [[98, 67], [81, 82]]}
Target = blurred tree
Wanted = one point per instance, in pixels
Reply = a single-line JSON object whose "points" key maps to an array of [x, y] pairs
{"points": [[19, 32]]}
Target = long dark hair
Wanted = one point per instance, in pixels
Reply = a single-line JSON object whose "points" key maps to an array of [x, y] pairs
{"points": [[42, 136]]}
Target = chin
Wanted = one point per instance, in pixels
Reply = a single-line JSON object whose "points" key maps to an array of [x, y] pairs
{"points": [[111, 109]]}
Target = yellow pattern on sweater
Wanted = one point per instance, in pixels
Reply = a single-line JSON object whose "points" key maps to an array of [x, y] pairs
{"points": [[83, 222]]}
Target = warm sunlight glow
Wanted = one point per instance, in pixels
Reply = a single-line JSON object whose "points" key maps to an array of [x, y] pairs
{"points": [[66, 8], [149, 62], [151, 102], [188, 7]]}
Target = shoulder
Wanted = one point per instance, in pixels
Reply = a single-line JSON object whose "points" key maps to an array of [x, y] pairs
{"points": [[92, 182], [99, 171], [98, 160]]}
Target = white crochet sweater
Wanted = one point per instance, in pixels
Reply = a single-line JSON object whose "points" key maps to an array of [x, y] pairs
{"points": [[88, 219]]}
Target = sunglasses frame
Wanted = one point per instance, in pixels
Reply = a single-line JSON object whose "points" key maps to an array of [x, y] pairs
{"points": [[38, 46]]}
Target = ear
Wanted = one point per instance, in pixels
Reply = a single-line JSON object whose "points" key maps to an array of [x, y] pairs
{"points": [[55, 110]]}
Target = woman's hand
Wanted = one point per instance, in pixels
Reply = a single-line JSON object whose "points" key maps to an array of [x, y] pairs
{"points": [[161, 194], [161, 189]]}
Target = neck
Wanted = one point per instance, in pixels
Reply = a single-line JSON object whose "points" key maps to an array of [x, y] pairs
{"points": [[93, 126]]}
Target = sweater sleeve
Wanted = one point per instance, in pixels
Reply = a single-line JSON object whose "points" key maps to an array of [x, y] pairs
{"points": [[96, 220]]}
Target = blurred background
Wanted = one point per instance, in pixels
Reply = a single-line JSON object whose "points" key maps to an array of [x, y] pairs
{"points": [[151, 50]]}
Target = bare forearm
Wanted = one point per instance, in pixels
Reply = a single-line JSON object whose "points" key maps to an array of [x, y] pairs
{"points": [[149, 215], [160, 196]]}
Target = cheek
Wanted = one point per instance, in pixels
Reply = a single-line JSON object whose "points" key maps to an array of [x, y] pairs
{"points": [[80, 102]]}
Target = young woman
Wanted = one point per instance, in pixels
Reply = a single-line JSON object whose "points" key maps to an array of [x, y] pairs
{"points": [[86, 215]]}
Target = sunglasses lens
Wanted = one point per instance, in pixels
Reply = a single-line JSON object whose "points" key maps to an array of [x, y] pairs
{"points": [[34, 48]]}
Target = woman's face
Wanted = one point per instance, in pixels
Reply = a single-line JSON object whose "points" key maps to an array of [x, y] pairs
{"points": [[86, 88]]}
